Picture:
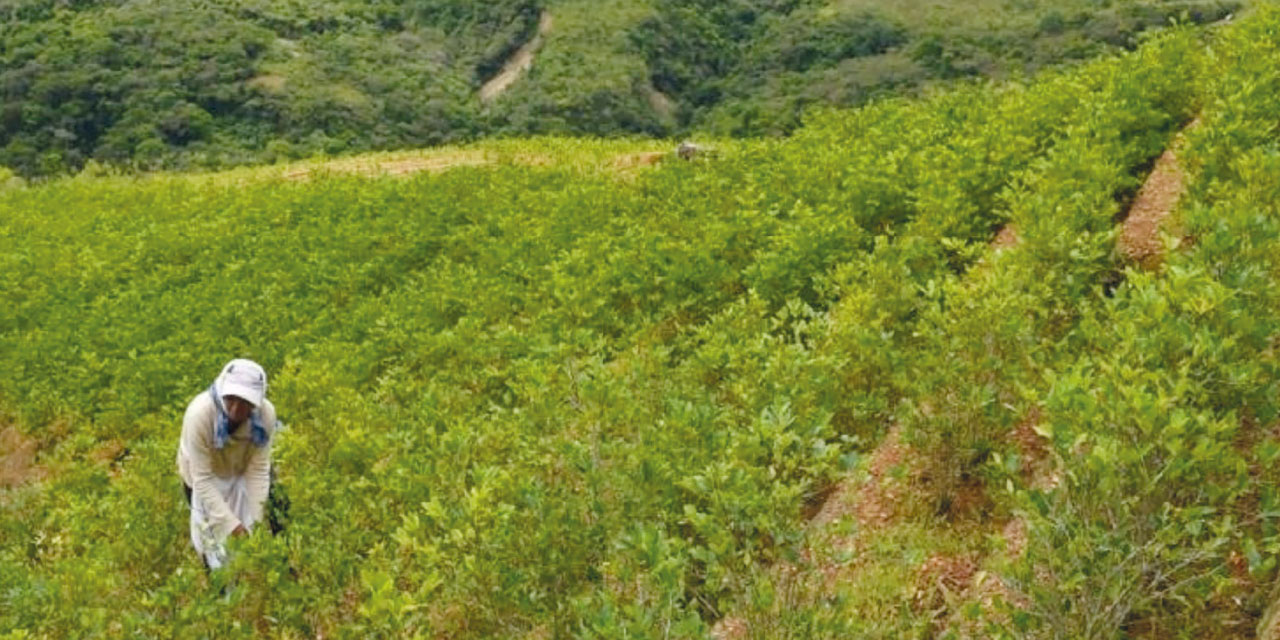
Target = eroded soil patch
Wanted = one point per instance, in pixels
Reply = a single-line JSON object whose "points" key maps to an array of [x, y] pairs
{"points": [[1007, 238], [17, 458]]}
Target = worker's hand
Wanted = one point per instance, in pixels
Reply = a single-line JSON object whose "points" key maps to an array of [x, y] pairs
{"points": [[240, 531]]}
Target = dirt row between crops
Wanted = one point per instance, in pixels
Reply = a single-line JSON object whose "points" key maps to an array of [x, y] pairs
{"points": [[17, 458], [875, 500], [1140, 240]]}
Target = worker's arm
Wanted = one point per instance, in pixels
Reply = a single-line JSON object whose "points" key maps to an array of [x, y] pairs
{"points": [[197, 447], [257, 475]]}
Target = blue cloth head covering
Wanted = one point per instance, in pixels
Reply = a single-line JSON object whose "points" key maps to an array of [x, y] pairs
{"points": [[222, 423]]}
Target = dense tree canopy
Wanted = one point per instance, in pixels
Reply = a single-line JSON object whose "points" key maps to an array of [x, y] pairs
{"points": [[153, 84]]}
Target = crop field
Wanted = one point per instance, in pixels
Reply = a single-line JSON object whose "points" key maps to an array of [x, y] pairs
{"points": [[559, 388]]}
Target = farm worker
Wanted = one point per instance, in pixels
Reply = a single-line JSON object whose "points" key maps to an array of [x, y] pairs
{"points": [[224, 457]]}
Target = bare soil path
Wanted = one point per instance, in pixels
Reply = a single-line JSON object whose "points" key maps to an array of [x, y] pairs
{"points": [[872, 499], [1140, 236], [17, 458], [520, 62]]}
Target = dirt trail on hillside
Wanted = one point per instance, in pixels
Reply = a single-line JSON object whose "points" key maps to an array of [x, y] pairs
{"points": [[1140, 236], [662, 104], [520, 62]]}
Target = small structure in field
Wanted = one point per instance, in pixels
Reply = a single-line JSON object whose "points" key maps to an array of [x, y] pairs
{"points": [[688, 150]]}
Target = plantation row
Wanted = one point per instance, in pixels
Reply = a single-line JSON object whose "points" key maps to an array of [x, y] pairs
{"points": [[529, 401], [959, 359], [1158, 398], [1163, 405]]}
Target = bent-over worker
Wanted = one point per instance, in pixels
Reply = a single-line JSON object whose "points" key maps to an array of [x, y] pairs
{"points": [[224, 458]]}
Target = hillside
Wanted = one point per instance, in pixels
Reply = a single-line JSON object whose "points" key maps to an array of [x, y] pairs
{"points": [[904, 373], [152, 84]]}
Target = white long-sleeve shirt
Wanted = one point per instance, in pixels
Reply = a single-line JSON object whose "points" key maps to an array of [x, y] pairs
{"points": [[199, 462]]}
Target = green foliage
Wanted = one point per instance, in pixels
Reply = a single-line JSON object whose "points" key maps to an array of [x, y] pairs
{"points": [[586, 78], [816, 38], [1180, 370], [1157, 396], [9, 179], [689, 43], [488, 31], [541, 401], [214, 85], [155, 85], [485, 418], [847, 52]]}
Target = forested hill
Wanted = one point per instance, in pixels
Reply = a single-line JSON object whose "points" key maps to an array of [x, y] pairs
{"points": [[152, 84]]}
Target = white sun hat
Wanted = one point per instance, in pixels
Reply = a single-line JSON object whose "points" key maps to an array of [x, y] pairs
{"points": [[243, 379]]}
